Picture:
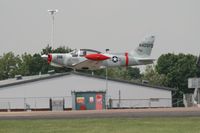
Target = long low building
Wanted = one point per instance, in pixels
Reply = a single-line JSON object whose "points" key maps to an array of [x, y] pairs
{"points": [[37, 92]]}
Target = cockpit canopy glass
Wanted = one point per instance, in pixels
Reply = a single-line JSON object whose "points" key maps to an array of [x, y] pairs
{"points": [[82, 52]]}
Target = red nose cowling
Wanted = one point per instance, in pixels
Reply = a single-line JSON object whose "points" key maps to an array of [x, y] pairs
{"points": [[49, 58], [97, 57]]}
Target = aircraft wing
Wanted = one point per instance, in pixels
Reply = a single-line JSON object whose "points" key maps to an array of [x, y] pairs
{"points": [[88, 64]]}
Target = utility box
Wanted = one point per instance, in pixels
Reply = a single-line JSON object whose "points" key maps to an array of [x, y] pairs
{"points": [[89, 100]]}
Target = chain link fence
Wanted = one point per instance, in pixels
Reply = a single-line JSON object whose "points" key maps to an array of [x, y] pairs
{"points": [[33, 103], [65, 103], [140, 103]]}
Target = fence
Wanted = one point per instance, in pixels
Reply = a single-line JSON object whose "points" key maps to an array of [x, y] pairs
{"points": [[39, 103], [140, 103], [33, 103]]}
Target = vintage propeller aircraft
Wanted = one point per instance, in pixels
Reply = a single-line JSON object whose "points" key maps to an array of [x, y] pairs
{"points": [[88, 59]]}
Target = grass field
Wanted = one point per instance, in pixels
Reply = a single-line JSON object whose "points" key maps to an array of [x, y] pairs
{"points": [[112, 125]]}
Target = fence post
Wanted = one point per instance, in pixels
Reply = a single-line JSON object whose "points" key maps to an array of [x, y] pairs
{"points": [[24, 104], [119, 99], [150, 103], [63, 103], [35, 103], [50, 104], [8, 107]]}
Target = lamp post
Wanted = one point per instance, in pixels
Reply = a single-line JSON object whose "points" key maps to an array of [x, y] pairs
{"points": [[52, 13], [107, 81], [107, 73]]}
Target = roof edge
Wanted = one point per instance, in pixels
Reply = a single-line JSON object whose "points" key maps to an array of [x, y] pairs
{"points": [[50, 76], [125, 81], [34, 80]]}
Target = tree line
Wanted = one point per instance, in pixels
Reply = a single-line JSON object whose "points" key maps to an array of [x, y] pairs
{"points": [[171, 70], [27, 64]]}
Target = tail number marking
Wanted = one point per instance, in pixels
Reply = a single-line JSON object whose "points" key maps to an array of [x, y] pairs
{"points": [[146, 45]]}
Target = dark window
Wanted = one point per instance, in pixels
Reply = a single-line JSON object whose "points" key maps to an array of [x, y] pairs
{"points": [[59, 57]]}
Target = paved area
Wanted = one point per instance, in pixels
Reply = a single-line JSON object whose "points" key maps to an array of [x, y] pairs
{"points": [[118, 113]]}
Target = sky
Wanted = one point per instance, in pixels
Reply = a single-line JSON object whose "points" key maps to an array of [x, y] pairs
{"points": [[25, 25]]}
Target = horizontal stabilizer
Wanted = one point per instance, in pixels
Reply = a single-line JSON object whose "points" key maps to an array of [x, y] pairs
{"points": [[145, 61]]}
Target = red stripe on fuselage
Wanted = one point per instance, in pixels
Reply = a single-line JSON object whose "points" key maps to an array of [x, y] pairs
{"points": [[97, 57], [49, 58], [127, 60]]}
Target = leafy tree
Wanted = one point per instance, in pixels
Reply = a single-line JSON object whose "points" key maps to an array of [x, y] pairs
{"points": [[47, 50], [134, 72], [8, 65], [153, 77], [120, 73], [165, 63], [62, 49], [111, 72], [178, 70], [38, 65], [24, 66]]}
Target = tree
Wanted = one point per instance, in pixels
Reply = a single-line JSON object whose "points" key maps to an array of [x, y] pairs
{"points": [[120, 73], [9, 64], [153, 76], [165, 63], [24, 66], [62, 49], [38, 65], [177, 69], [134, 72], [47, 50]]}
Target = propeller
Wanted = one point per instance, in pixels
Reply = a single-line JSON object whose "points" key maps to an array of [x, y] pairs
{"points": [[48, 58]]}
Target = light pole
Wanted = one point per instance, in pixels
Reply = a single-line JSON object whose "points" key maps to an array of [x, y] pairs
{"points": [[107, 73], [107, 82], [52, 13]]}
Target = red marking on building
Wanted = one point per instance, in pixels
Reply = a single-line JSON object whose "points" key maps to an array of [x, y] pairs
{"points": [[99, 101], [97, 57]]}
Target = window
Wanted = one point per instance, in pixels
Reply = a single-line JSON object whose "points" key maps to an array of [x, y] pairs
{"points": [[74, 53], [59, 57], [82, 53]]}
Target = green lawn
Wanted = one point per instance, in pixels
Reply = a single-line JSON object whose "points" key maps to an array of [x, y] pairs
{"points": [[114, 125]]}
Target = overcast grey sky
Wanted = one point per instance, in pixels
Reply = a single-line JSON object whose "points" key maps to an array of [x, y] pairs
{"points": [[25, 25]]}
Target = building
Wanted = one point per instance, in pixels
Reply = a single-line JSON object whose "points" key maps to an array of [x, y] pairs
{"points": [[192, 97], [35, 92]]}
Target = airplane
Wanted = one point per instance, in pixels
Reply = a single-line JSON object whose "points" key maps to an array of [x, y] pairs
{"points": [[88, 59]]}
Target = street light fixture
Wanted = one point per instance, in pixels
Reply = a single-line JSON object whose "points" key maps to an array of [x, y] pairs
{"points": [[52, 13]]}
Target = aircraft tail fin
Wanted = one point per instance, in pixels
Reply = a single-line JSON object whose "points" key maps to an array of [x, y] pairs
{"points": [[145, 47]]}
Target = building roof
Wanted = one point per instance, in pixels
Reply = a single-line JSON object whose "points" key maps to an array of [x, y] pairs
{"points": [[29, 79]]}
